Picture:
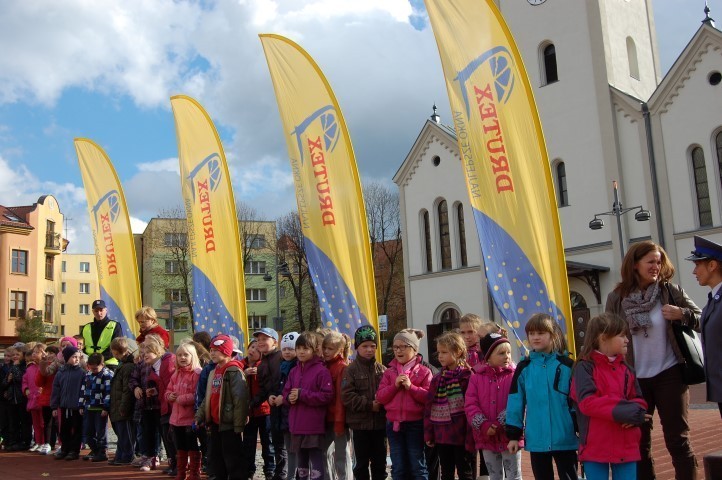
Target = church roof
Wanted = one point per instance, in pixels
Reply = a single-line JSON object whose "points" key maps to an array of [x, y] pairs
{"points": [[429, 131]]}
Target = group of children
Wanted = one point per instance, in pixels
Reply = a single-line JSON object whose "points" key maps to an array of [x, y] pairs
{"points": [[318, 415]]}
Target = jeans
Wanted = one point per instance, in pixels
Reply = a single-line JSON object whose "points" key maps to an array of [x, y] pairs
{"points": [[338, 455], [566, 460], [407, 451], [95, 428], [126, 440], [369, 446], [620, 471], [667, 393], [259, 426], [71, 426]]}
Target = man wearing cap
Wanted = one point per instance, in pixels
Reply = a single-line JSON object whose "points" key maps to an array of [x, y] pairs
{"points": [[707, 258], [100, 332]]}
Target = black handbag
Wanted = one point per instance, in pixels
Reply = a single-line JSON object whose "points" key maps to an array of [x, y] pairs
{"points": [[691, 348]]}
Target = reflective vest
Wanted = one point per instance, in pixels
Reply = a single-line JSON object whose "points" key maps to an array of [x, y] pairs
{"points": [[106, 336]]}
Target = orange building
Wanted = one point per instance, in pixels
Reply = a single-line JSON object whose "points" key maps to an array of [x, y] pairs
{"points": [[30, 247]]}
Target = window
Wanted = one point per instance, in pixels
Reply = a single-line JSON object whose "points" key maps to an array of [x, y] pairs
{"points": [[632, 59], [18, 302], [62, 266], [49, 263], [62, 309], [281, 292], [256, 322], [256, 241], [255, 294], [427, 240], [48, 313], [462, 235], [562, 194], [549, 59], [20, 262], [175, 295], [175, 239], [704, 207], [84, 267], [172, 267], [444, 238], [84, 288], [84, 309], [63, 288], [255, 268]]}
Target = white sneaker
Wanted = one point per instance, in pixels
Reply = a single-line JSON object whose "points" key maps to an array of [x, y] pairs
{"points": [[34, 448], [44, 449]]}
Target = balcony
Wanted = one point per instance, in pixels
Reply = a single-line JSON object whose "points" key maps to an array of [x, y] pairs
{"points": [[52, 243]]}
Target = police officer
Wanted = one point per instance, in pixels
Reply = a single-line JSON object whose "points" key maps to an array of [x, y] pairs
{"points": [[100, 332], [707, 258]]}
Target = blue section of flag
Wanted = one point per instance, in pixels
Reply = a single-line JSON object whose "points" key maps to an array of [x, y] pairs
{"points": [[338, 305], [515, 285], [114, 311], [211, 314]]}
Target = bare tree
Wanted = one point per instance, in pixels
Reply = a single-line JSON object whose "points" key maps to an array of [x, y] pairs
{"points": [[384, 223], [250, 230], [291, 251]]}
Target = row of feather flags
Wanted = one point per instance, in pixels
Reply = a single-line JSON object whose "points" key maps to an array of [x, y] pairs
{"points": [[503, 155]]}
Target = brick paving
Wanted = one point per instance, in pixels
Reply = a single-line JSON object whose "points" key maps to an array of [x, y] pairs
{"points": [[705, 426]]}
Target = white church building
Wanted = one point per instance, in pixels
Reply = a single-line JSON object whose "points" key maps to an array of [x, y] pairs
{"points": [[608, 114]]}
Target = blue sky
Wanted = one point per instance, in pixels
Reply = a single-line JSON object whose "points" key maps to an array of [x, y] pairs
{"points": [[105, 70]]}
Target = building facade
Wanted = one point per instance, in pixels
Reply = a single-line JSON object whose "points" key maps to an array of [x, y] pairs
{"points": [[608, 115], [31, 247], [78, 288]]}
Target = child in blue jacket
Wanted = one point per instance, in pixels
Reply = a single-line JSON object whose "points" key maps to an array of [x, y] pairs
{"points": [[541, 388]]}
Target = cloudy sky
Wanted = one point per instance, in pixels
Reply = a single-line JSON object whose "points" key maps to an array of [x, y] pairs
{"points": [[106, 69]]}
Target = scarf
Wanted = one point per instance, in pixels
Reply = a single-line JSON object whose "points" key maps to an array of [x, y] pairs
{"points": [[449, 398], [637, 306]]}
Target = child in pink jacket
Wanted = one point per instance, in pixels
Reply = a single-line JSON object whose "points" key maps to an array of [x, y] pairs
{"points": [[33, 393], [485, 406], [403, 392], [180, 395]]}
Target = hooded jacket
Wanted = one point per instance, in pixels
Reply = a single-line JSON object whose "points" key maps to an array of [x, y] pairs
{"points": [[336, 413], [234, 400], [607, 395], [67, 388], [162, 378], [404, 405], [30, 387], [308, 415], [360, 382], [485, 405], [183, 383], [254, 389], [122, 400], [539, 403]]}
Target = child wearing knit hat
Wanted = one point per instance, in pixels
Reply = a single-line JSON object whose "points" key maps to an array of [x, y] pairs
{"points": [[66, 397], [403, 392]]}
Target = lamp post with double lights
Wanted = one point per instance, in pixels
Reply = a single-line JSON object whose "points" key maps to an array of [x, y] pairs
{"points": [[617, 211]]}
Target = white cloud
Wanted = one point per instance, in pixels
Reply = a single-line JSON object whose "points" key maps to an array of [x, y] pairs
{"points": [[137, 225], [167, 165]]}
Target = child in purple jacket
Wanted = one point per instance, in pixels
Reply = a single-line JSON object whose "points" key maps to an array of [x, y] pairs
{"points": [[308, 391]]}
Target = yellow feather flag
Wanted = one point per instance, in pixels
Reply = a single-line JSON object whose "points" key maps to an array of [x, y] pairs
{"points": [[505, 162], [113, 238], [219, 293], [328, 190]]}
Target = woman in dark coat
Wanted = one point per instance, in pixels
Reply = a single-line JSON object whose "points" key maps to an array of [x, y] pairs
{"points": [[650, 303]]}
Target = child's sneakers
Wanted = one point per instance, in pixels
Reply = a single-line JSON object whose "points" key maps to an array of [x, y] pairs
{"points": [[138, 461], [44, 449], [149, 464], [34, 448]]}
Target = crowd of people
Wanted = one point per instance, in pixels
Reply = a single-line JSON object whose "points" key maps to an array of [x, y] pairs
{"points": [[318, 415]]}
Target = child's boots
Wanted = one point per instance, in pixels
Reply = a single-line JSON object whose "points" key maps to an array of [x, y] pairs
{"points": [[194, 467], [181, 464]]}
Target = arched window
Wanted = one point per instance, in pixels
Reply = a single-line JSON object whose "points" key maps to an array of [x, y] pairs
{"points": [[444, 240], [632, 59], [561, 177], [427, 241], [450, 315], [462, 235], [718, 141], [704, 208], [549, 59]]}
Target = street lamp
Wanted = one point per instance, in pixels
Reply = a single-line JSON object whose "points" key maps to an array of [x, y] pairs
{"points": [[281, 269], [617, 211]]}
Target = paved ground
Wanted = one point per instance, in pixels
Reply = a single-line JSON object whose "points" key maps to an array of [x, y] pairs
{"points": [[704, 418]]}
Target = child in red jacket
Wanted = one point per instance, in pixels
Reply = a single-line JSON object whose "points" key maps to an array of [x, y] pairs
{"points": [[336, 348], [259, 423], [403, 392], [609, 402]]}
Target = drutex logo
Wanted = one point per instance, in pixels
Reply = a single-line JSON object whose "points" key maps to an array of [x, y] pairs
{"points": [[106, 213], [483, 93], [204, 179], [316, 136]]}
